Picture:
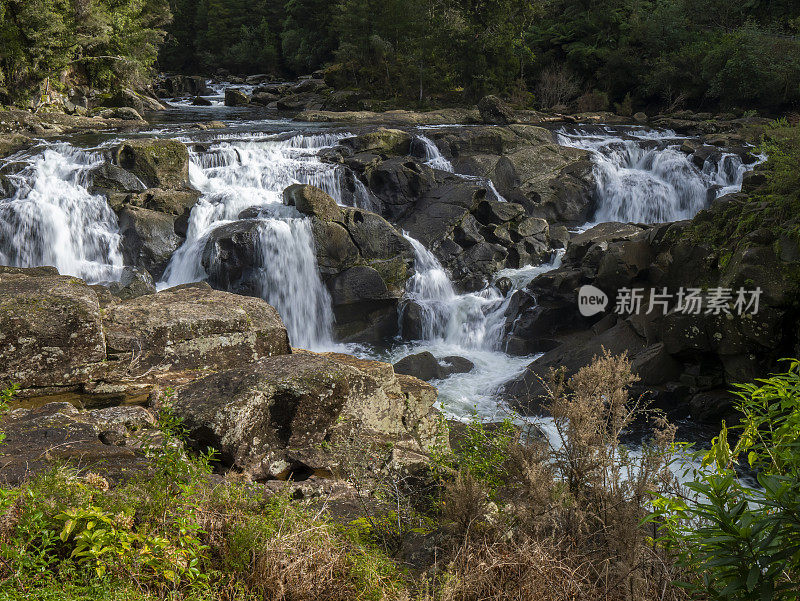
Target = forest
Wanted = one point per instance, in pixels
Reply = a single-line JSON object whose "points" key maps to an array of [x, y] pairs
{"points": [[585, 54]]}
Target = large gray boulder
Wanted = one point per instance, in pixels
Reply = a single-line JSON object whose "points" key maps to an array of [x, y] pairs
{"points": [[192, 327], [51, 331], [280, 417]]}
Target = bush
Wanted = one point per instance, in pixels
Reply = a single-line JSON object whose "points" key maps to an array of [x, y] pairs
{"points": [[741, 542]]}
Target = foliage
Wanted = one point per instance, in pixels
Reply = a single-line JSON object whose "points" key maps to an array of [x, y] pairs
{"points": [[103, 43], [743, 542]]}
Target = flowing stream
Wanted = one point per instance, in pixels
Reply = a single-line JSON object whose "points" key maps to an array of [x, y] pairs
{"points": [[49, 217]]}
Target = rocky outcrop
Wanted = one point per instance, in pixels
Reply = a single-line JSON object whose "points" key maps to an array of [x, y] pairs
{"points": [[495, 112], [297, 416], [58, 334], [427, 367], [688, 356], [182, 85], [51, 329], [146, 181], [472, 234], [527, 166]]}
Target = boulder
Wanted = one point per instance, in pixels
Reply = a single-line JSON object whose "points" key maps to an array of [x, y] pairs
{"points": [[310, 200], [200, 101], [158, 163], [11, 143], [494, 111], [51, 333], [279, 418], [192, 327], [427, 367], [109, 443], [133, 283], [305, 101], [391, 142], [235, 97], [527, 392], [421, 365], [108, 178], [148, 238]]}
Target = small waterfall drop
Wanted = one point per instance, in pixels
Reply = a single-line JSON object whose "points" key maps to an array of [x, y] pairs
{"points": [[436, 160], [643, 176], [474, 320], [237, 176], [289, 281], [432, 156], [51, 218]]}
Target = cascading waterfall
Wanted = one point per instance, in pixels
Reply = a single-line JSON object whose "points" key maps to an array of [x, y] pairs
{"points": [[473, 320], [52, 219], [289, 280], [643, 177], [236, 176], [436, 160]]}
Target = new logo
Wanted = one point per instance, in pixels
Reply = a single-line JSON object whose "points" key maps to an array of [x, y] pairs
{"points": [[591, 301]]}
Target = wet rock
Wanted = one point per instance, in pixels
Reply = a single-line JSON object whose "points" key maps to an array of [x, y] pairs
{"points": [[108, 178], [455, 365], [271, 419], [148, 238], [157, 163], [310, 200], [235, 97], [383, 141], [200, 101], [421, 365], [11, 143], [133, 283], [527, 392], [301, 102]]}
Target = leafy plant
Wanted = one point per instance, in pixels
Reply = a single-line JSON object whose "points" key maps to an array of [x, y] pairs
{"points": [[743, 542]]}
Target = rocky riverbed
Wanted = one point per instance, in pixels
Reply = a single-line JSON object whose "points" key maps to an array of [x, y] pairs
{"points": [[199, 253]]}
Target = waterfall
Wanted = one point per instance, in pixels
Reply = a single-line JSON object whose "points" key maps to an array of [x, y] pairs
{"points": [[474, 320], [289, 281], [50, 218], [235, 176], [643, 177], [433, 158]]}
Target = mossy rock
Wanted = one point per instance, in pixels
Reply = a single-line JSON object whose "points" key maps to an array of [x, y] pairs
{"points": [[158, 163]]}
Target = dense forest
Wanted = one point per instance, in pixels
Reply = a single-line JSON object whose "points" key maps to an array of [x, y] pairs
{"points": [[546, 52], [590, 54]]}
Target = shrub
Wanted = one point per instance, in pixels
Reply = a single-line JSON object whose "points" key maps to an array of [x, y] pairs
{"points": [[741, 542]]}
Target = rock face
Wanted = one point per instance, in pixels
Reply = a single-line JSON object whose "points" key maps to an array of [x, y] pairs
{"points": [[51, 331], [689, 357], [472, 233], [146, 181], [193, 327], [427, 367], [527, 167], [271, 413], [279, 417], [56, 337], [495, 112]]}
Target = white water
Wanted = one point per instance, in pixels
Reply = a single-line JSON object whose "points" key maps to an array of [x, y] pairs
{"points": [[652, 182], [470, 325], [234, 176], [436, 160], [52, 219]]}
